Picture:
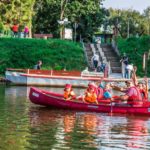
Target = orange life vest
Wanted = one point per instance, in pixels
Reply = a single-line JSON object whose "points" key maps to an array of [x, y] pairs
{"points": [[68, 94], [90, 97]]}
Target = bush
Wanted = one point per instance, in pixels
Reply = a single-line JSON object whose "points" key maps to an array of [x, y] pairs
{"points": [[54, 53]]}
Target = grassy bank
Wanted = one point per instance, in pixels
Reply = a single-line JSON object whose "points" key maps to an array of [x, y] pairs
{"points": [[54, 53], [135, 48]]}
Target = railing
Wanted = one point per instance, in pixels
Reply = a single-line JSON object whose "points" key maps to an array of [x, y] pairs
{"points": [[43, 36], [17, 70], [86, 57], [55, 72], [115, 48]]}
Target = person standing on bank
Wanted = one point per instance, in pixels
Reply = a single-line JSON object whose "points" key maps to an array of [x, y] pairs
{"points": [[38, 65], [124, 62], [95, 60], [15, 30], [26, 32]]}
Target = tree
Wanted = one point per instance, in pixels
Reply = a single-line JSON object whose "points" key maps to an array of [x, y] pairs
{"points": [[16, 11], [87, 14], [128, 22], [147, 17]]}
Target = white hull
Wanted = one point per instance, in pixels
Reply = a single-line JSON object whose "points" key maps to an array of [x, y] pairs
{"points": [[47, 80]]}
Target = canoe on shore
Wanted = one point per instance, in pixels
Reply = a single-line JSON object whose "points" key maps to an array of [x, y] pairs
{"points": [[46, 98]]}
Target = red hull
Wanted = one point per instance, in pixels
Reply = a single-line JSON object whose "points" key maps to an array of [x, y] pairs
{"points": [[56, 100]]}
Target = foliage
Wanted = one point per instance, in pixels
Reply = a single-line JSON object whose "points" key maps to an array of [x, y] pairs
{"points": [[16, 12], [48, 12], [147, 18], [126, 20], [135, 48], [54, 53]]}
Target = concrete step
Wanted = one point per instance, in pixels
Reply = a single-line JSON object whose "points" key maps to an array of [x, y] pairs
{"points": [[115, 64], [112, 59], [116, 69], [110, 55]]}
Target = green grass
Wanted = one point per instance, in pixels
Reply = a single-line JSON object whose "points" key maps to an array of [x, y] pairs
{"points": [[54, 53]]}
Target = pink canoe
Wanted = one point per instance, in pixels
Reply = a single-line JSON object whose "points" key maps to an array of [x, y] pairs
{"points": [[46, 98]]}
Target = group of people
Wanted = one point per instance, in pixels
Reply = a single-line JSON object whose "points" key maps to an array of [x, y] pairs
{"points": [[127, 68], [98, 66], [16, 31], [134, 92]]}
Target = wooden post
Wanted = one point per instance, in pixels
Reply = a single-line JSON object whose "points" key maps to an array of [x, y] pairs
{"points": [[145, 62]]}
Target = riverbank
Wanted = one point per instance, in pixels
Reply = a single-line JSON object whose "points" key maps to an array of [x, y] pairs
{"points": [[55, 54], [3, 80]]}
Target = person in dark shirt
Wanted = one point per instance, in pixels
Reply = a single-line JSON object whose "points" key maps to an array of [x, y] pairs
{"points": [[38, 65], [124, 61]]}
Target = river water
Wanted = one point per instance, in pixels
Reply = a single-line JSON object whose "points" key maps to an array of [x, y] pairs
{"points": [[25, 126]]}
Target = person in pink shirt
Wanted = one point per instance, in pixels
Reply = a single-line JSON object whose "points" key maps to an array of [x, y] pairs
{"points": [[132, 94], [26, 31]]}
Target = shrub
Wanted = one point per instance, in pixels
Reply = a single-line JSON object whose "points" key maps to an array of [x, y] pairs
{"points": [[24, 53]]}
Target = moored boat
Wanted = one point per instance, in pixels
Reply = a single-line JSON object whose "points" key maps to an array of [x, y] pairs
{"points": [[51, 77], [31, 77], [45, 98]]}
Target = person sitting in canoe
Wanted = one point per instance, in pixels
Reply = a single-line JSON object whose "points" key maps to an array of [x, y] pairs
{"points": [[107, 93], [143, 87], [104, 92], [100, 91], [132, 94], [68, 92], [90, 95]]}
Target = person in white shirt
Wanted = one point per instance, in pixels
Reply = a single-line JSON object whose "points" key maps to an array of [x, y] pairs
{"points": [[95, 60], [129, 69]]}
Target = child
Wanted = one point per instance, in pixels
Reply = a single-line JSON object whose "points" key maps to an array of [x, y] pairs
{"points": [[68, 92], [90, 95], [107, 91]]}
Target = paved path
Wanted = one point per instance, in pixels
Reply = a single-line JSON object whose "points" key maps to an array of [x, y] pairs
{"points": [[116, 75]]}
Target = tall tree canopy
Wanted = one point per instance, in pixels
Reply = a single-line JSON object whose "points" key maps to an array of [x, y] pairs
{"points": [[87, 14], [16, 11]]}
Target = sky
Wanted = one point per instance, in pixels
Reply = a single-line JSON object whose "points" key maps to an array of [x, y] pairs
{"points": [[139, 5]]}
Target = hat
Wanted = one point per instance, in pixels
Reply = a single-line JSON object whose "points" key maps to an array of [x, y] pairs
{"points": [[67, 86], [91, 87]]}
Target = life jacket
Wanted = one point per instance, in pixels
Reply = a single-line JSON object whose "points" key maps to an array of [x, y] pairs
{"points": [[100, 93], [143, 94], [68, 94], [107, 94], [90, 97], [135, 98]]}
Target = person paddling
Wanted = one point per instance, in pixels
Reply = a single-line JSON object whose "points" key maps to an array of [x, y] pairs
{"points": [[69, 93], [132, 94], [143, 87]]}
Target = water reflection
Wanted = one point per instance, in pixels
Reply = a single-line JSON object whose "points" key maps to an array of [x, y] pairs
{"points": [[137, 132], [24, 125]]}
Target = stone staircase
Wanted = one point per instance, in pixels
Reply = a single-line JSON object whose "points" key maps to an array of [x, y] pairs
{"points": [[89, 54], [106, 54], [112, 57]]}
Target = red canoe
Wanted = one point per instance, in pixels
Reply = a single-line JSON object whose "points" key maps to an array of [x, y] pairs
{"points": [[45, 98]]}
